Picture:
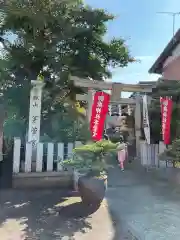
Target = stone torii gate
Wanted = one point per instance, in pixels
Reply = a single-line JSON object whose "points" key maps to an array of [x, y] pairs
{"points": [[116, 89]]}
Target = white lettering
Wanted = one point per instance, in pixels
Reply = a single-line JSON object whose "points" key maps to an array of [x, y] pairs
{"points": [[98, 110], [99, 104], [165, 114], [95, 128], [97, 116], [164, 119], [101, 98], [165, 108], [96, 122], [94, 134], [165, 103]]}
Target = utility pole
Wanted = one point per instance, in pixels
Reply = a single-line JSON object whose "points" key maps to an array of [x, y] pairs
{"points": [[174, 15]]}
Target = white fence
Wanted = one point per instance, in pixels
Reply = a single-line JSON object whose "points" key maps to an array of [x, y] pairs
{"points": [[46, 158], [149, 153]]}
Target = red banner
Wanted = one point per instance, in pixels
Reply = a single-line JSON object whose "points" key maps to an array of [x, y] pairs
{"points": [[98, 114], [166, 112]]}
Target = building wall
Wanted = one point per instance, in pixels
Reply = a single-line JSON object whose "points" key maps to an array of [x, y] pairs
{"points": [[172, 70], [171, 67]]}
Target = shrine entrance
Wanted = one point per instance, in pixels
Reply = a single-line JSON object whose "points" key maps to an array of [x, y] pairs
{"points": [[120, 124], [124, 113]]}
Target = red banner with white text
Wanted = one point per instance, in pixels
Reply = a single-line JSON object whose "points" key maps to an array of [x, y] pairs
{"points": [[166, 112], [98, 114]]}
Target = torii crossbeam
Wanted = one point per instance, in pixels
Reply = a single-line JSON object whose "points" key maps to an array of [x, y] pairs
{"points": [[121, 87]]}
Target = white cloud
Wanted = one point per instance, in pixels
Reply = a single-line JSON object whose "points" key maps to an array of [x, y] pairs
{"points": [[138, 76], [142, 58], [135, 77]]}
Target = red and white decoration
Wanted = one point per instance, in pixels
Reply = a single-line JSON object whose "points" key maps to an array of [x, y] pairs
{"points": [[98, 115], [166, 112]]}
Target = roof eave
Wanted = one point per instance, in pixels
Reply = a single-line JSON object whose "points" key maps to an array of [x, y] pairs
{"points": [[155, 69], [157, 66]]}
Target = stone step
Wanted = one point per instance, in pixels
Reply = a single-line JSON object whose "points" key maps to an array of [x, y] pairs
{"points": [[62, 179]]}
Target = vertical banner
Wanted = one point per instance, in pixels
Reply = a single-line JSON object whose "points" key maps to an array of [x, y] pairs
{"points": [[35, 113], [146, 120], [162, 109], [166, 112], [98, 114]]}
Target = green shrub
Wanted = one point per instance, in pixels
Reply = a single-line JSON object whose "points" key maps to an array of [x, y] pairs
{"points": [[172, 152], [92, 156]]}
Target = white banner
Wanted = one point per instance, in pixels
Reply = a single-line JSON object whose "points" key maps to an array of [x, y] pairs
{"points": [[146, 120]]}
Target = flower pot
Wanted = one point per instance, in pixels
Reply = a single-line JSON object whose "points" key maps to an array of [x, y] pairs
{"points": [[92, 189]]}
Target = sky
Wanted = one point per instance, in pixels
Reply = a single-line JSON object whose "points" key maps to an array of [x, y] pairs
{"points": [[146, 32]]}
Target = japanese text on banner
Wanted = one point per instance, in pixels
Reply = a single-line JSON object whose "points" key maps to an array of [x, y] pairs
{"points": [[99, 111], [166, 111]]}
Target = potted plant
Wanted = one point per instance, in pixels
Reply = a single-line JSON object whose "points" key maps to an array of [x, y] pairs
{"points": [[172, 153], [91, 162]]}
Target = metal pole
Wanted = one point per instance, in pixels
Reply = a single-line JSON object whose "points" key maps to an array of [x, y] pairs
{"points": [[173, 14]]}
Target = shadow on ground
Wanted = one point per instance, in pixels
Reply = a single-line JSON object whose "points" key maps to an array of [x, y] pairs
{"points": [[42, 215]]}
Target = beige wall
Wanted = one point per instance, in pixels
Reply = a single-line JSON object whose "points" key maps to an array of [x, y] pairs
{"points": [[172, 70]]}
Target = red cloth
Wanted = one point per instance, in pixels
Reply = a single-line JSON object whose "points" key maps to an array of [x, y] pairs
{"points": [[98, 114], [166, 112]]}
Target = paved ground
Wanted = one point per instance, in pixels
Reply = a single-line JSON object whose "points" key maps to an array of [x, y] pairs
{"points": [[53, 215], [150, 208], [135, 205]]}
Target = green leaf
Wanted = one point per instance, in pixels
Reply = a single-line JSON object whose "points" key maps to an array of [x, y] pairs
{"points": [[57, 39]]}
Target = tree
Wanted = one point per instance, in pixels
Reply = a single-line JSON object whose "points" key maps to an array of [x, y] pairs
{"points": [[165, 88], [57, 39]]}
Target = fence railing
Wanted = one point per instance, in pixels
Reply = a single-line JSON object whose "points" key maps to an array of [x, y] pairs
{"points": [[47, 157], [149, 153]]}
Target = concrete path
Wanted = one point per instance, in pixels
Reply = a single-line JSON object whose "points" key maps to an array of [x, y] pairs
{"points": [[149, 208], [135, 206], [54, 215]]}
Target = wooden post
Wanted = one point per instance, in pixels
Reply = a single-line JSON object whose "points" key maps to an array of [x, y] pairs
{"points": [[50, 155], [129, 109], [90, 97], [35, 118], [60, 156], [138, 124], [120, 109], [116, 92], [16, 155], [39, 157], [35, 112]]}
